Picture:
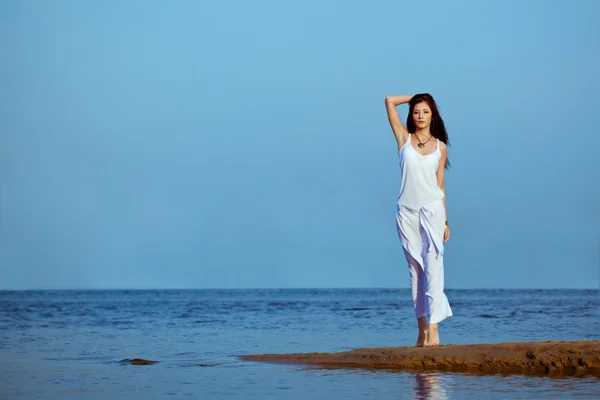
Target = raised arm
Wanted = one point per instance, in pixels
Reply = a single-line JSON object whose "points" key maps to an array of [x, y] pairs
{"points": [[400, 132]]}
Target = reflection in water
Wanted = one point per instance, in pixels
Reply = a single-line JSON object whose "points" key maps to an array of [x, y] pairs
{"points": [[429, 386]]}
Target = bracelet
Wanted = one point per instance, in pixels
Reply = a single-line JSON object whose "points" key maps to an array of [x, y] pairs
{"points": [[447, 223]]}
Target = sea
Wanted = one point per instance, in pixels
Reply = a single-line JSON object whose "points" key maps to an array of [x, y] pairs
{"points": [[71, 344]]}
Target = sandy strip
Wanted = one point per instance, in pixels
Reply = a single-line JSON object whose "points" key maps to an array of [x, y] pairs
{"points": [[550, 357]]}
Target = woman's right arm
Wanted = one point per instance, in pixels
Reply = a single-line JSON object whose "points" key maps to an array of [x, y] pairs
{"points": [[400, 132]]}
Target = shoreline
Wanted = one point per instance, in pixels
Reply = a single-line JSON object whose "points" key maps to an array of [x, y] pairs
{"points": [[554, 358]]}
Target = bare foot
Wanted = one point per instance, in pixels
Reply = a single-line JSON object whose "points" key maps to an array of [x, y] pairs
{"points": [[433, 337], [422, 339]]}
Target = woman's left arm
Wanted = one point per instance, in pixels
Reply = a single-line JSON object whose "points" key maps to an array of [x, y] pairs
{"points": [[440, 183]]}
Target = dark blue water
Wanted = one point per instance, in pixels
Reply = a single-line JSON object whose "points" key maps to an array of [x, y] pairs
{"points": [[68, 344]]}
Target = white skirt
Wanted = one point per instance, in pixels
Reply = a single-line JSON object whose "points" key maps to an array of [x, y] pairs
{"points": [[421, 232]]}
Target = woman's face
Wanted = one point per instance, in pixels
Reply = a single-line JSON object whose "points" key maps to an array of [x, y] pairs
{"points": [[422, 115]]}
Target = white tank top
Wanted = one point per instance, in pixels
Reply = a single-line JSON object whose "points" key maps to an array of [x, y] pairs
{"points": [[418, 173]]}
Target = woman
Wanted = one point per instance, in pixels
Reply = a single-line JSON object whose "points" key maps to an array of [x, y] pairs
{"points": [[421, 208]]}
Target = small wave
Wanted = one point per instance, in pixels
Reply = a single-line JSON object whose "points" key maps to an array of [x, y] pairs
{"points": [[86, 313], [121, 322], [212, 364], [185, 353], [356, 309], [287, 305], [488, 316], [208, 321]]}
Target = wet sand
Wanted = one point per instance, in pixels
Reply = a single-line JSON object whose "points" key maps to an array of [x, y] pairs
{"points": [[543, 358]]}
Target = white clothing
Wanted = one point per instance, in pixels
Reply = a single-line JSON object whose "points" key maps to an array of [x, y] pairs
{"points": [[420, 220], [419, 181]]}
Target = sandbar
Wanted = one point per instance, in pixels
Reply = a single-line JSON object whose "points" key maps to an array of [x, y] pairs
{"points": [[537, 358]]}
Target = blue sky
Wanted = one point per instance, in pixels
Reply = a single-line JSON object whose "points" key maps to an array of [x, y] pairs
{"points": [[245, 144]]}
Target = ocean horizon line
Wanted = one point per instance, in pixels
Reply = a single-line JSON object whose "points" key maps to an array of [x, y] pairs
{"points": [[124, 289]]}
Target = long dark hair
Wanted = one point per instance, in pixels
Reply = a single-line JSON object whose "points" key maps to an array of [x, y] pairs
{"points": [[437, 127]]}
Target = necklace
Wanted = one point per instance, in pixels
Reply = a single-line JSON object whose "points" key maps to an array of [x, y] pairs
{"points": [[422, 144]]}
